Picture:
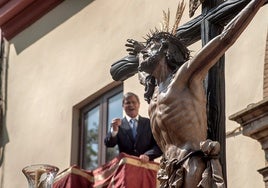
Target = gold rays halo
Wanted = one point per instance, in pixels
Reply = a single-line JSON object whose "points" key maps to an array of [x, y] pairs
{"points": [[193, 5], [178, 16], [166, 22]]}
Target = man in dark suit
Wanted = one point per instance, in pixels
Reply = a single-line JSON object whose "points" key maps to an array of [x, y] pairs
{"points": [[133, 133]]}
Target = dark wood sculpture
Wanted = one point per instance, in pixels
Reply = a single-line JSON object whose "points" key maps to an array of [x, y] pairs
{"points": [[177, 100]]}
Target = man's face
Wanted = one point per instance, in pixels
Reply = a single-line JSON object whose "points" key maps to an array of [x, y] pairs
{"points": [[131, 106], [150, 56]]}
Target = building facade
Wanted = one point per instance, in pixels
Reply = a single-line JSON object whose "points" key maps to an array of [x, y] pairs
{"points": [[58, 95]]}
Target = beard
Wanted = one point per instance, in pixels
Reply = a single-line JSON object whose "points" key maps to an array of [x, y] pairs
{"points": [[149, 64]]}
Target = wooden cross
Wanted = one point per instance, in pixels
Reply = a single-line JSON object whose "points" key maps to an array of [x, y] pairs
{"points": [[215, 14]]}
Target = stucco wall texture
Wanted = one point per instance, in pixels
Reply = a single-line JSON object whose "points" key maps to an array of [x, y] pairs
{"points": [[49, 76]]}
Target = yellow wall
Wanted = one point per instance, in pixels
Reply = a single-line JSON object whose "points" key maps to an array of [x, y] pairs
{"points": [[51, 75], [244, 85]]}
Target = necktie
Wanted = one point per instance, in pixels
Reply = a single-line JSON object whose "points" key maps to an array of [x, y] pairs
{"points": [[133, 123]]}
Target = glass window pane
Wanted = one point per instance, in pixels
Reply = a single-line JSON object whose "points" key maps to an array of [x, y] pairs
{"points": [[115, 107], [91, 146], [114, 110]]}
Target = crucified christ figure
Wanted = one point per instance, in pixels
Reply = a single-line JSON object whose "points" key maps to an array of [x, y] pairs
{"points": [[177, 101]]}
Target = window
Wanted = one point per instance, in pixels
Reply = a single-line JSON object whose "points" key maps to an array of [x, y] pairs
{"points": [[95, 123]]}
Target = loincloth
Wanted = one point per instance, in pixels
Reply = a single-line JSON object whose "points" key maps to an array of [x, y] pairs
{"points": [[171, 173]]}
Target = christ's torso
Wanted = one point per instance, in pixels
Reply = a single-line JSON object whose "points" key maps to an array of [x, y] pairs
{"points": [[178, 119]]}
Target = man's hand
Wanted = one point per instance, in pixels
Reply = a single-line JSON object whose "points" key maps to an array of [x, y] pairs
{"points": [[134, 47], [144, 158], [116, 122]]}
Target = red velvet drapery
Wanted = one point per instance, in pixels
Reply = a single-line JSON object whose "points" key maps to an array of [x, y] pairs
{"points": [[123, 171]]}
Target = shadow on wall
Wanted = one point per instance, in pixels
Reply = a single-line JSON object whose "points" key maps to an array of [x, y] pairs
{"points": [[47, 23]]}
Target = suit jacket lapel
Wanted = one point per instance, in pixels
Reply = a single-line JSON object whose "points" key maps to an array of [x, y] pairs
{"points": [[139, 128]]}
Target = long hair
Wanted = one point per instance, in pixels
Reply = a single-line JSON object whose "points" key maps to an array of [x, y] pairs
{"points": [[176, 55]]}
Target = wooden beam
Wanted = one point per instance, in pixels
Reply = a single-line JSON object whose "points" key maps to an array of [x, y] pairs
{"points": [[190, 32], [215, 80]]}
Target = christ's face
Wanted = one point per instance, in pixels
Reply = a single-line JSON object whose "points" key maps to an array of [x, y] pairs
{"points": [[150, 56]]}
